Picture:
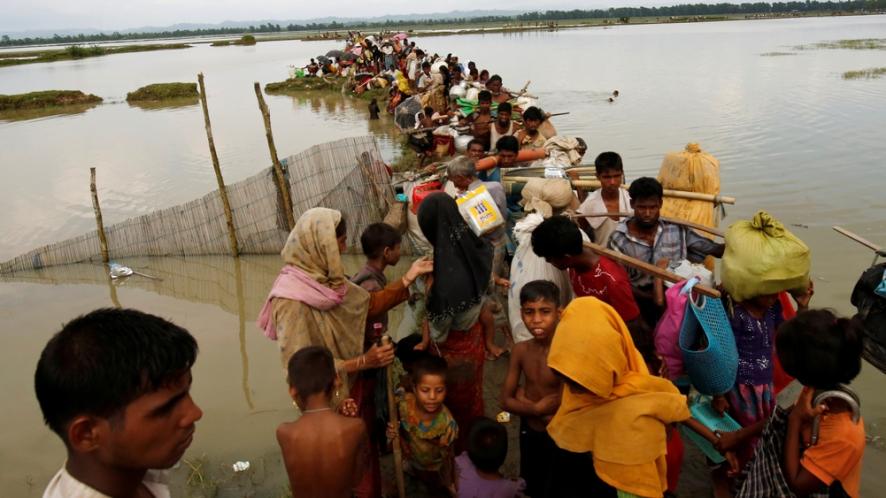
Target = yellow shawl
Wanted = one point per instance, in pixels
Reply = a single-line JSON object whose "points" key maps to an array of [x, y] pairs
{"points": [[613, 408], [312, 248]]}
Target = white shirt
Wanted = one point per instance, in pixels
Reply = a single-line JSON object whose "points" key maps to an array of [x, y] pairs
{"points": [[64, 485], [603, 225]]}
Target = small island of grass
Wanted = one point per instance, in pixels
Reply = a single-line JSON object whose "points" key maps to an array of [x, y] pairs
{"points": [[323, 84], [244, 40], [47, 98], [163, 91], [76, 52], [865, 74]]}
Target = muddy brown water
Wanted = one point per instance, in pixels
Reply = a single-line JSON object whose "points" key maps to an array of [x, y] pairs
{"points": [[792, 137]]}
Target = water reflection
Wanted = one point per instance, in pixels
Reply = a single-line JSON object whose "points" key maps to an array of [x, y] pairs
{"points": [[29, 114], [149, 105]]}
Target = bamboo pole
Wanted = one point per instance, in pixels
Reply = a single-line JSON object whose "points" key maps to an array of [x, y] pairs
{"points": [[100, 226], [689, 224], [678, 194], [861, 240], [394, 419], [649, 268], [278, 168], [222, 190]]}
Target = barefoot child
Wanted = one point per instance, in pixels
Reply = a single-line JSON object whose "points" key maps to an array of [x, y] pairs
{"points": [[324, 452], [538, 398], [478, 468], [427, 429]]}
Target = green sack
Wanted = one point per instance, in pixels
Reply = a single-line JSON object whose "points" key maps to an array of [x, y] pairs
{"points": [[762, 257]]}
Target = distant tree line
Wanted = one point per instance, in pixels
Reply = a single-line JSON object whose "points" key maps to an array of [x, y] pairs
{"points": [[699, 9]]}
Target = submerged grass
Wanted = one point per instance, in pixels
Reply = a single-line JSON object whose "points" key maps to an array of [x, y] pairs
{"points": [[46, 98], [75, 52], [853, 44], [163, 91], [866, 74], [776, 54]]}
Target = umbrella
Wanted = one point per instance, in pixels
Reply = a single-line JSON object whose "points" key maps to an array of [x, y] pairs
{"points": [[348, 57], [404, 114], [323, 59], [399, 36], [334, 53]]}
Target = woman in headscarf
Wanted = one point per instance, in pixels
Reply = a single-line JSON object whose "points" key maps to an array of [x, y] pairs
{"points": [[542, 198], [312, 303], [456, 309], [611, 406]]}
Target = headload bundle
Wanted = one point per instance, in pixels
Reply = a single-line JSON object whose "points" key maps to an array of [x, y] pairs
{"points": [[690, 170], [763, 257]]}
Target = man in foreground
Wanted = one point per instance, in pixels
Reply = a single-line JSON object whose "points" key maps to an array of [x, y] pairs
{"points": [[114, 385]]}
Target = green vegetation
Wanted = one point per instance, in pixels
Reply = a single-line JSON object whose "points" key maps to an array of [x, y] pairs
{"points": [[47, 98], [75, 52], [687, 11], [859, 44], [317, 84], [246, 40], [163, 91], [222, 43], [777, 54], [867, 74]]}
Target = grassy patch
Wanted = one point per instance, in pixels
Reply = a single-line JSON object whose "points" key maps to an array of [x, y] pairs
{"points": [[48, 98], [317, 84], [246, 40], [163, 91], [865, 74], [856, 44], [75, 52], [222, 43], [777, 54]]}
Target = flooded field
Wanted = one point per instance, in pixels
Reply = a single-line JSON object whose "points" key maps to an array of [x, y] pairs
{"points": [[792, 135]]}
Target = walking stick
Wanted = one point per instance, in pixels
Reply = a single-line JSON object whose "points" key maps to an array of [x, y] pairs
{"points": [[392, 414]]}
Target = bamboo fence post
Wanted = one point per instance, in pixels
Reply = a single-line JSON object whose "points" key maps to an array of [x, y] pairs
{"points": [[394, 419], [648, 268], [102, 239], [278, 169], [223, 192]]}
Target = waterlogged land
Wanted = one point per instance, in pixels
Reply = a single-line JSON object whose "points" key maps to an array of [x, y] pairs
{"points": [[75, 52]]}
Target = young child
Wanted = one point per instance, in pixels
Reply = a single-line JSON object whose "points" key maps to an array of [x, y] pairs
{"points": [[340, 441], [427, 429], [381, 246], [481, 120], [609, 198], [538, 398], [114, 385], [822, 351], [530, 137], [478, 468]]}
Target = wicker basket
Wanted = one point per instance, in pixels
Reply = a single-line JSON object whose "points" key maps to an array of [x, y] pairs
{"points": [[708, 345]]}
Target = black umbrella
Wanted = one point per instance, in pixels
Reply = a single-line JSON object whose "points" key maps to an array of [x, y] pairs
{"points": [[323, 59], [334, 53], [348, 57]]}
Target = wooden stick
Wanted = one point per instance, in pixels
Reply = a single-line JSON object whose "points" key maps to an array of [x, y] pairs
{"points": [[394, 419], [222, 190], [689, 224], [100, 226], [678, 194], [648, 268], [282, 184], [861, 240]]}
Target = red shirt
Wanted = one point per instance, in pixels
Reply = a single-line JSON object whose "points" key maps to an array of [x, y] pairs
{"points": [[608, 282]]}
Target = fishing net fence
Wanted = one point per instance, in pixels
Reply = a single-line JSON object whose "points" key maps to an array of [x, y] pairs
{"points": [[348, 175]]}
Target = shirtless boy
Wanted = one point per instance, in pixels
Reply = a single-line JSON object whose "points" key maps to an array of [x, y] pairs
{"points": [[324, 451], [539, 397]]}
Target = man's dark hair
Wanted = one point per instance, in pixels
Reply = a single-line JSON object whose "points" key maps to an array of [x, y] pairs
{"points": [[311, 371], [556, 237], [508, 143], [102, 361], [645, 188], [428, 365], [533, 113], [429, 111], [820, 349], [377, 237], [476, 141], [493, 78], [607, 161], [487, 444], [484, 96], [505, 107], [425, 64], [540, 290], [418, 52]]}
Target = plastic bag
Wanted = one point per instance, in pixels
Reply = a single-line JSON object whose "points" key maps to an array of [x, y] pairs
{"points": [[478, 209], [872, 312], [667, 331], [762, 257], [693, 171]]}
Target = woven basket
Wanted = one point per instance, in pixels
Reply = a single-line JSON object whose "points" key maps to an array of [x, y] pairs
{"points": [[708, 345]]}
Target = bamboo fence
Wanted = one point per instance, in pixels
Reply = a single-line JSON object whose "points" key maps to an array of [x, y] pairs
{"points": [[347, 175]]}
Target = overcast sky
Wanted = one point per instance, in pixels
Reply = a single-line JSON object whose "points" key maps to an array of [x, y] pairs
{"points": [[25, 15]]}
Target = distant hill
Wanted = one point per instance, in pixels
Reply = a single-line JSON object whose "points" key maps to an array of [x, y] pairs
{"points": [[454, 14]]}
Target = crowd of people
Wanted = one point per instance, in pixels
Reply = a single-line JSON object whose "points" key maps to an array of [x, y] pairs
{"points": [[595, 372]]}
